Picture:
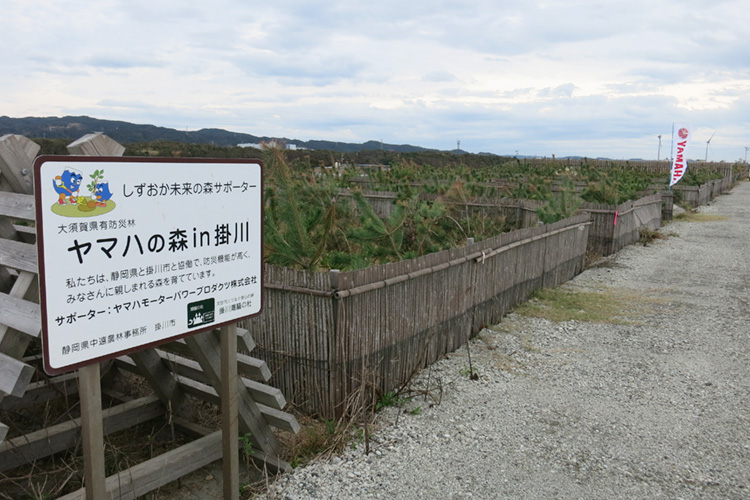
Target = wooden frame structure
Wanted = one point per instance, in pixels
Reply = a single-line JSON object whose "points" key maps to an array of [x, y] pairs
{"points": [[188, 367]]}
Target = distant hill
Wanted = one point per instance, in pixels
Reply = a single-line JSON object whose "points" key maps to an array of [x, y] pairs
{"points": [[73, 127]]}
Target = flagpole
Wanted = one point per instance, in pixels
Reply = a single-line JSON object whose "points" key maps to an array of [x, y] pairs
{"points": [[671, 152]]}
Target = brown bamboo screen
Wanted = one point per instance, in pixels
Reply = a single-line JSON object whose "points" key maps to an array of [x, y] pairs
{"points": [[325, 334]]}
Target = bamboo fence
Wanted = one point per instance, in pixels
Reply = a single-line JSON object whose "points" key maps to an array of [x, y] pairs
{"points": [[617, 226], [695, 196], [325, 335]]}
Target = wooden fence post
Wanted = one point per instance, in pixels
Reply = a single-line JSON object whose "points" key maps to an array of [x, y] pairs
{"points": [[92, 431]]}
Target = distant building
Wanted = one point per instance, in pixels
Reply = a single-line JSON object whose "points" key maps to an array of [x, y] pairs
{"points": [[270, 144]]}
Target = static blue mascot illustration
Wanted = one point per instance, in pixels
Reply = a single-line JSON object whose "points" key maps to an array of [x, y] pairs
{"points": [[96, 198], [102, 193], [67, 186]]}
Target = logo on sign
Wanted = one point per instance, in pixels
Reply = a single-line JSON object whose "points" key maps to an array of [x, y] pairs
{"points": [[200, 313], [683, 133]]}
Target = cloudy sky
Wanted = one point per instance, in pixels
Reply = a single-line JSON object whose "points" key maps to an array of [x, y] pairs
{"points": [[589, 78]]}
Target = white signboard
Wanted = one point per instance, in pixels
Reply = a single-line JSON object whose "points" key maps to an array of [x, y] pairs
{"points": [[135, 252]]}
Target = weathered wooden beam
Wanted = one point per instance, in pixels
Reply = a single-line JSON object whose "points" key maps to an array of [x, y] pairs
{"points": [[277, 418], [274, 464], [158, 471], [12, 342], [271, 413], [265, 394], [249, 367], [3, 431], [96, 144], [245, 342], [27, 234], [7, 231], [21, 315], [17, 155], [14, 376], [18, 206], [262, 393], [155, 371], [42, 391], [51, 440], [205, 347], [18, 255]]}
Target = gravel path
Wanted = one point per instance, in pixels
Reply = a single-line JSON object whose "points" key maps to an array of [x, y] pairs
{"points": [[656, 407]]}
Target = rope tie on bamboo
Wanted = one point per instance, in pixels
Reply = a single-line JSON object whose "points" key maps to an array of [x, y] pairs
{"points": [[483, 257]]}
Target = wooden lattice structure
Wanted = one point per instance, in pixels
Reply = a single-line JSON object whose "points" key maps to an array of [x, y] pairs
{"points": [[177, 371]]}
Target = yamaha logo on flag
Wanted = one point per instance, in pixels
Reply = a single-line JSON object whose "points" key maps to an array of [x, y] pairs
{"points": [[679, 155]]}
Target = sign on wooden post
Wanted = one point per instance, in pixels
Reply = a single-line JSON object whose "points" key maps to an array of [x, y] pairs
{"points": [[136, 252]]}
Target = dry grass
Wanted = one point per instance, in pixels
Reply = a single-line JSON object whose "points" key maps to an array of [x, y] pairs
{"points": [[648, 236], [316, 437], [568, 303], [695, 216], [62, 472]]}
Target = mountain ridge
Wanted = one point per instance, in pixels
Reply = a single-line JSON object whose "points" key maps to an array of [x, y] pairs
{"points": [[73, 127]]}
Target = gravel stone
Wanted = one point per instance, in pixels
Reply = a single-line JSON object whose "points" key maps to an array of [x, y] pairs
{"points": [[656, 407]]}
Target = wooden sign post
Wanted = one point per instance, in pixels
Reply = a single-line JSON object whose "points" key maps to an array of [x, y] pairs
{"points": [[92, 432], [137, 252], [229, 412]]}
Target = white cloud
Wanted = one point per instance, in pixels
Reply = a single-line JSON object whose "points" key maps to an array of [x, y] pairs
{"points": [[584, 77]]}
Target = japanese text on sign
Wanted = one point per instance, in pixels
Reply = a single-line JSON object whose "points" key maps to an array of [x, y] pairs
{"points": [[135, 252]]}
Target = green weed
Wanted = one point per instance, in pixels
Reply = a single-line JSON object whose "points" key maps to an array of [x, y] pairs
{"points": [[390, 399]]}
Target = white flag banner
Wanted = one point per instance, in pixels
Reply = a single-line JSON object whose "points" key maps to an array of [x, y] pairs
{"points": [[679, 154]]}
